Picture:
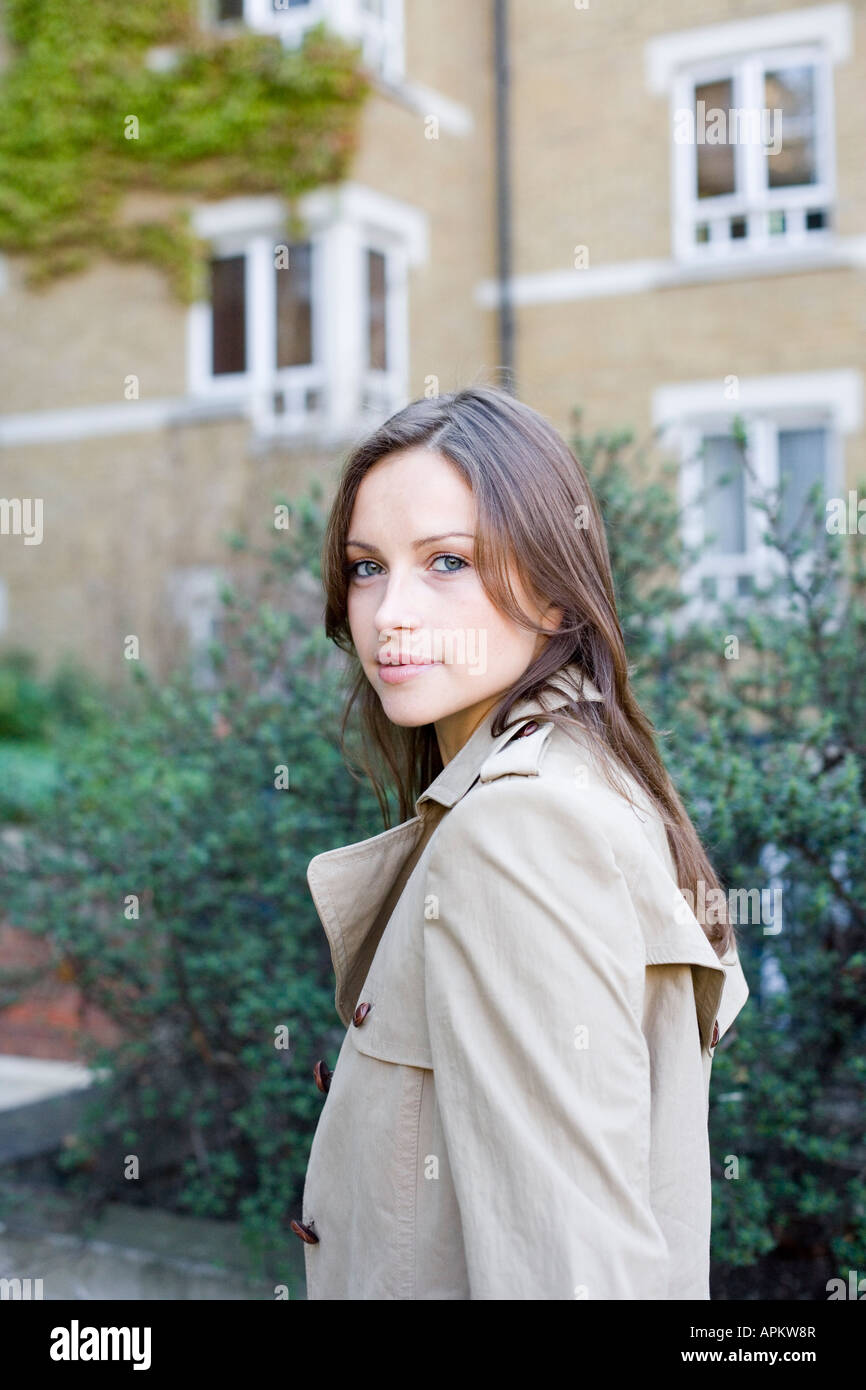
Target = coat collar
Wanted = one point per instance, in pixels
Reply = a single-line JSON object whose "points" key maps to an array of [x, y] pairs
{"points": [[349, 885], [462, 772]]}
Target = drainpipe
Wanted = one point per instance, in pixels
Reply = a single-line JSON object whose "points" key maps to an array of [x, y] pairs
{"points": [[503, 196]]}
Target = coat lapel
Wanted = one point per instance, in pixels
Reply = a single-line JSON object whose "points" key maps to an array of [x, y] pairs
{"points": [[349, 886]]}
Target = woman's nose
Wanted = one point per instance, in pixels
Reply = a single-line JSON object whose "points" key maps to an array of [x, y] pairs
{"points": [[395, 610]]}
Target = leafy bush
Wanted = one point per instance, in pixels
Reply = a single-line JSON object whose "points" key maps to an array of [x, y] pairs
{"points": [[34, 709], [24, 702], [28, 775]]}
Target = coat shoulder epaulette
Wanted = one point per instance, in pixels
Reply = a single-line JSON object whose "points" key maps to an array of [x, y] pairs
{"points": [[520, 755]]}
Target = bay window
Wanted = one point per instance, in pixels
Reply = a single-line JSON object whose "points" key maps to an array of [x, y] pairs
{"points": [[312, 334]]}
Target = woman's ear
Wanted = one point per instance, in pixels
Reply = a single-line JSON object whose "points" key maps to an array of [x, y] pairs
{"points": [[551, 618]]}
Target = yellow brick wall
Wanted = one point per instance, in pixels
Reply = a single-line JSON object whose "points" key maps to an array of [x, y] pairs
{"points": [[119, 515]]}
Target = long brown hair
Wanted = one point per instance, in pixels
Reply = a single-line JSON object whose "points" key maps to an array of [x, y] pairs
{"points": [[535, 510]]}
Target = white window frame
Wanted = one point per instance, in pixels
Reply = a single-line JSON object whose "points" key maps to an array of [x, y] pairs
{"points": [[381, 36], [379, 386], [686, 414], [347, 395], [753, 199], [675, 60], [273, 394], [759, 561]]}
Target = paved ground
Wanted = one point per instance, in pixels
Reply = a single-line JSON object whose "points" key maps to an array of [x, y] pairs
{"points": [[127, 1253]]}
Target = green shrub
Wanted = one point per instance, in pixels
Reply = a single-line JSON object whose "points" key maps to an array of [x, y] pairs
{"points": [[28, 776], [24, 701]]}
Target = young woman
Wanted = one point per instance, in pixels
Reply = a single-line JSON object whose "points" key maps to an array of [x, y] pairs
{"points": [[519, 1105]]}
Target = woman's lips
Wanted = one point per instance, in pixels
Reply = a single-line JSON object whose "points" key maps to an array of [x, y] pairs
{"points": [[396, 673]]}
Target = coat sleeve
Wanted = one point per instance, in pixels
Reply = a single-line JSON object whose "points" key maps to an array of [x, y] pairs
{"points": [[535, 974]]}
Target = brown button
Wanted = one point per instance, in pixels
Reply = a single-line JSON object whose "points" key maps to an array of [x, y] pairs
{"points": [[715, 1033], [360, 1014], [323, 1074], [304, 1232]]}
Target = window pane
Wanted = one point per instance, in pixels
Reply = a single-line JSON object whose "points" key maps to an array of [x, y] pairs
{"points": [[228, 298], [288, 4], [716, 172], [231, 9], [376, 300], [802, 457], [792, 91], [294, 307], [724, 496]]}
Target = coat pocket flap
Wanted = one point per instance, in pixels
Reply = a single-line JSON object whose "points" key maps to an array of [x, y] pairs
{"points": [[390, 1036]]}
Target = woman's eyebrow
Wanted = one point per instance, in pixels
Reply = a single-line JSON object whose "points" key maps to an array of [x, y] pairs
{"points": [[416, 545]]}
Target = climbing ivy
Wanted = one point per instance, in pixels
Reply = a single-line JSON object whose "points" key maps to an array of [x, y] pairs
{"points": [[98, 100]]}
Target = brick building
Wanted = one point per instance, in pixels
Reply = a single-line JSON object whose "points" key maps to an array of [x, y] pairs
{"points": [[541, 188]]}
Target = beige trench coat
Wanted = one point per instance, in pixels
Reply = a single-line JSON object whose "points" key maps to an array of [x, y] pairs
{"points": [[519, 1106]]}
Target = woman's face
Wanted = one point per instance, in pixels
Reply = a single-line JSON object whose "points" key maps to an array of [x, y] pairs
{"points": [[415, 600]]}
